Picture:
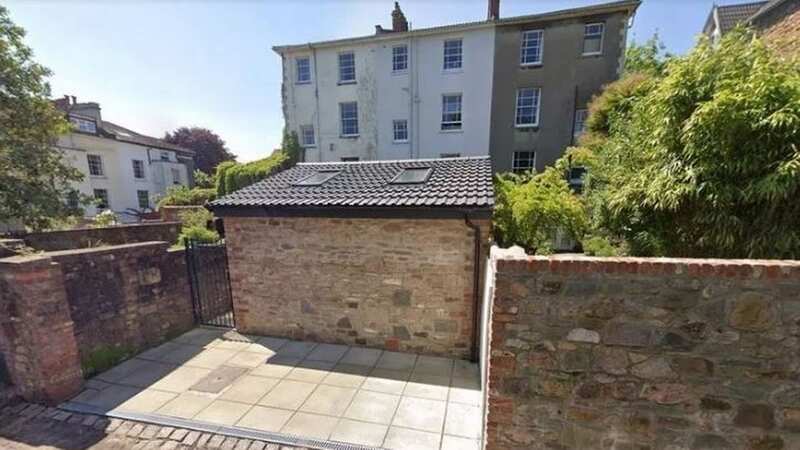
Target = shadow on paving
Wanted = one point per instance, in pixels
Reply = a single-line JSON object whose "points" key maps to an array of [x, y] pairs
{"points": [[21, 433]]}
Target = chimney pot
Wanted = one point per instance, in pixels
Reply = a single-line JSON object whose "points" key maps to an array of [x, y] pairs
{"points": [[399, 22], [494, 10]]}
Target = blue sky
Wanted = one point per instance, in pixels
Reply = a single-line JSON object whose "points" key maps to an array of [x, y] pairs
{"points": [[155, 65]]}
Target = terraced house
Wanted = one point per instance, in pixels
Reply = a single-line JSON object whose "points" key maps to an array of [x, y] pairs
{"points": [[428, 93]]}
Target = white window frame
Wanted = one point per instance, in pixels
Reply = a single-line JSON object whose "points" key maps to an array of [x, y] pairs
{"points": [[448, 123], [84, 125], [342, 120], [395, 129], [523, 47], [303, 141], [139, 198], [107, 198], [339, 60], [577, 132], [176, 176], [460, 66], [99, 165], [133, 164], [587, 35], [396, 59], [307, 60], [515, 161], [536, 108]]}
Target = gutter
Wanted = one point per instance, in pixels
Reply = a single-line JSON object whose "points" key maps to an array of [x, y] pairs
{"points": [[476, 273]]}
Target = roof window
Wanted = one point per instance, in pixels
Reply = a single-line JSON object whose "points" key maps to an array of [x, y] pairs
{"points": [[317, 178], [412, 175]]}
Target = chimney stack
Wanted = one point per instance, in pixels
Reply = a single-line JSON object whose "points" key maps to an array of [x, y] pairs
{"points": [[494, 10], [399, 22]]}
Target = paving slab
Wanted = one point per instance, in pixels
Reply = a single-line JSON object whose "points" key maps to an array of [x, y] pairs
{"points": [[433, 365], [249, 389], [186, 405], [328, 352], [288, 394], [218, 379], [386, 381], [361, 356], [460, 443], [464, 390], [264, 418], [420, 414], [463, 420], [373, 407], [310, 425], [434, 387], [361, 433], [296, 349], [398, 438], [211, 358], [328, 400], [180, 379], [310, 371], [223, 412], [146, 401], [276, 367], [397, 361], [347, 375]]}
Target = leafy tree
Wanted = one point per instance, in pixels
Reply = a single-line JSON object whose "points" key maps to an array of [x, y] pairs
{"points": [[704, 161], [210, 149], [650, 58], [530, 209], [34, 179], [203, 180]]}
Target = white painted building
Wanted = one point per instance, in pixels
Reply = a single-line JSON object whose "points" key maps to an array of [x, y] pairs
{"points": [[394, 95], [125, 171]]}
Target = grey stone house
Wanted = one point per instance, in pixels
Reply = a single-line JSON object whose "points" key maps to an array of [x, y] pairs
{"points": [[547, 67]]}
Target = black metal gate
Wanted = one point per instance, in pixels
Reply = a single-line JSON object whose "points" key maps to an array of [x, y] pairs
{"points": [[210, 283]]}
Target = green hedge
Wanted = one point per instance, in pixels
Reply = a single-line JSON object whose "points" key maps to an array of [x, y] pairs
{"points": [[183, 196], [232, 176]]}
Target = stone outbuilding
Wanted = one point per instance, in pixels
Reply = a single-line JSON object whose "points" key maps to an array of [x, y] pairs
{"points": [[384, 254]]}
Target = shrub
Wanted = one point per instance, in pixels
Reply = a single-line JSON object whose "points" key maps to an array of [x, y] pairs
{"points": [[232, 176], [196, 227], [704, 161], [102, 358], [183, 196], [531, 208], [104, 219]]}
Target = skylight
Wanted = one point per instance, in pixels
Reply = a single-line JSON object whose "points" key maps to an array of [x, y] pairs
{"points": [[412, 175], [317, 178]]}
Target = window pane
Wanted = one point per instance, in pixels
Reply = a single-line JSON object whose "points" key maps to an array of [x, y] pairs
{"points": [[400, 130], [317, 178], [450, 155], [451, 112], [527, 107], [307, 136], [349, 118], [347, 67], [593, 38], [523, 162], [349, 158], [399, 58], [412, 175], [176, 176], [144, 199], [138, 168], [531, 47], [580, 121], [303, 70], [452, 54], [95, 165], [101, 198]]}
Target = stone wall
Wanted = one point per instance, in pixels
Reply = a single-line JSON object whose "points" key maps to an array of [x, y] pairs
{"points": [[57, 308], [130, 296], [644, 354], [94, 237], [399, 284]]}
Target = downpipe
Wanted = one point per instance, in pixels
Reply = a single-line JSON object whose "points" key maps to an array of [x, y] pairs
{"points": [[476, 273]]}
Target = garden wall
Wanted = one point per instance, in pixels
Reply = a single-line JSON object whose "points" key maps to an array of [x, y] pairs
{"points": [[58, 308], [94, 237], [129, 297], [644, 353], [173, 213], [399, 284]]}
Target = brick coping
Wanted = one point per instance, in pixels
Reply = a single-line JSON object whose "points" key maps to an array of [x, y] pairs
{"points": [[693, 267]]}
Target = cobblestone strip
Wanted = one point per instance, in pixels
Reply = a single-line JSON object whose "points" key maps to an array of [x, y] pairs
{"points": [[26, 426]]}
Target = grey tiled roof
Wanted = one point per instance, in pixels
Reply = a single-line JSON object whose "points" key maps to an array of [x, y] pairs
{"points": [[732, 15], [453, 182]]}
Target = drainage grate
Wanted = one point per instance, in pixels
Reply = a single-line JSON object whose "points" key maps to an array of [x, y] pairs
{"points": [[241, 433]]}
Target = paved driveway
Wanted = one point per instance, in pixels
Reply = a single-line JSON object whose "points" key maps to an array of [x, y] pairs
{"points": [[291, 389]]}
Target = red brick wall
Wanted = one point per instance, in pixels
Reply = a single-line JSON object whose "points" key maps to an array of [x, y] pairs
{"points": [[781, 28], [644, 353], [400, 284], [36, 331], [94, 237]]}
